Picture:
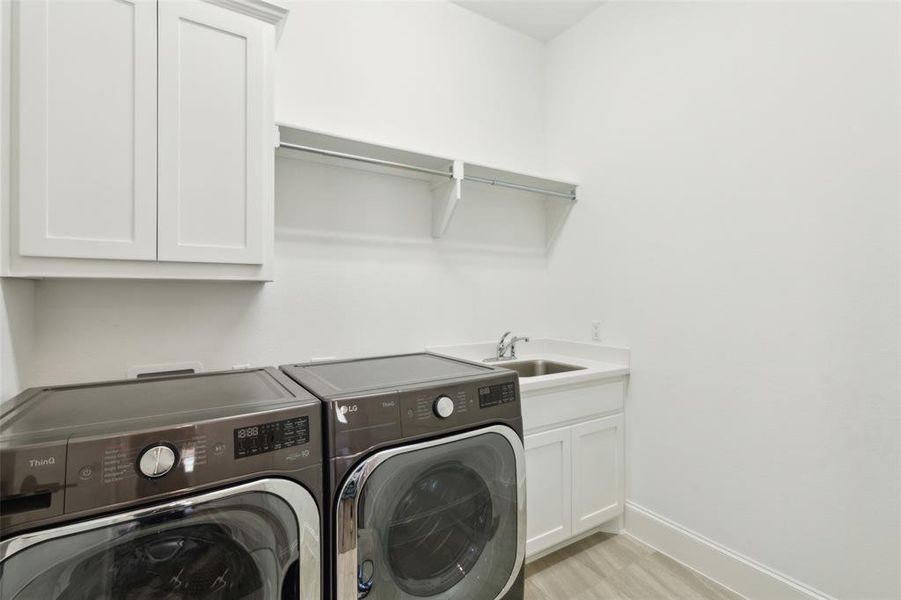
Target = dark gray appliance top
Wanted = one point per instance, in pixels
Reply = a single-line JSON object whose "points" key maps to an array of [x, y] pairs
{"points": [[339, 378], [78, 449], [54, 412]]}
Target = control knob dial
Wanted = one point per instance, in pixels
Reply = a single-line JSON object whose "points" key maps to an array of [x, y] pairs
{"points": [[444, 407], [157, 460]]}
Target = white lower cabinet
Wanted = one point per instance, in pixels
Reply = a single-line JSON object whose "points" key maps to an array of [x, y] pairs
{"points": [[574, 480]]}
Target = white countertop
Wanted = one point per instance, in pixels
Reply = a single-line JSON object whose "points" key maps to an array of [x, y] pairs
{"points": [[598, 361]]}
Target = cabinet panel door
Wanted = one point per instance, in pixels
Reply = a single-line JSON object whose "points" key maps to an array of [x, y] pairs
{"points": [[597, 464], [212, 134], [548, 489], [86, 115]]}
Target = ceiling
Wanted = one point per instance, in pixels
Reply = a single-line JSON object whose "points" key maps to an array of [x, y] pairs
{"points": [[542, 20]]}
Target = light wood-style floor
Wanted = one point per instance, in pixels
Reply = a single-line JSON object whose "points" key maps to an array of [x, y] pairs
{"points": [[616, 567]]}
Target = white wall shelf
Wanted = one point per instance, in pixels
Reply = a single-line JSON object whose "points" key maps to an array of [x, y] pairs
{"points": [[447, 177]]}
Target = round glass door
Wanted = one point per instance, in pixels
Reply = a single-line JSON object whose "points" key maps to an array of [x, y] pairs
{"points": [[440, 522], [244, 546]]}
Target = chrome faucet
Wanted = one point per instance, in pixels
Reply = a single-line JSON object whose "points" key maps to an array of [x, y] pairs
{"points": [[505, 345]]}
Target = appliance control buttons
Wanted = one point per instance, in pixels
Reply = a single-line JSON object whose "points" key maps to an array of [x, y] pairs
{"points": [[156, 461], [444, 407]]}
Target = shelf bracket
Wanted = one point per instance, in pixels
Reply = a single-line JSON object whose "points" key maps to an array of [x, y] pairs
{"points": [[445, 197], [556, 211]]}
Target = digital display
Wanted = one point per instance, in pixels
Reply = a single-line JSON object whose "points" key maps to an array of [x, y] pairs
{"points": [[269, 437], [495, 395]]}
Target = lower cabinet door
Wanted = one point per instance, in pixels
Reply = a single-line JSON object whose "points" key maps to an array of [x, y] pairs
{"points": [[597, 472], [548, 489]]}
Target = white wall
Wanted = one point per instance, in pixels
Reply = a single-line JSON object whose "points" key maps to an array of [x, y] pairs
{"points": [[739, 231], [357, 271], [16, 335], [16, 296], [427, 76]]}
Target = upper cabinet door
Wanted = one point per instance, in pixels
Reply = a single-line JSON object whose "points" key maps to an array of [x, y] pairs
{"points": [[214, 203], [85, 81]]}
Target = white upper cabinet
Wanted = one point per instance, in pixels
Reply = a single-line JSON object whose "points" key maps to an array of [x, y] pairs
{"points": [[215, 134], [142, 139], [86, 98]]}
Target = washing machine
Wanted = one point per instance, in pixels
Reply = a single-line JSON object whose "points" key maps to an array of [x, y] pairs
{"points": [[425, 477], [186, 487]]}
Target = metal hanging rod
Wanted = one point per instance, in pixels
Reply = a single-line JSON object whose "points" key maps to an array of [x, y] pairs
{"points": [[441, 173], [366, 159], [526, 188]]}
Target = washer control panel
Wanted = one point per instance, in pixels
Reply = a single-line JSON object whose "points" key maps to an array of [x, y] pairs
{"points": [[102, 471], [433, 409], [157, 460]]}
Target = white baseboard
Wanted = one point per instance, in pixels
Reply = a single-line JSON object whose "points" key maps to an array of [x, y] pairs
{"points": [[739, 573]]}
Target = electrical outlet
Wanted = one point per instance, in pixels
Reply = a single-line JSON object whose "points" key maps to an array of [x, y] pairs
{"points": [[596, 331]]}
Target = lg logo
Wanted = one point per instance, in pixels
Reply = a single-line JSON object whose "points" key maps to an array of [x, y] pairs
{"points": [[344, 410], [42, 462]]}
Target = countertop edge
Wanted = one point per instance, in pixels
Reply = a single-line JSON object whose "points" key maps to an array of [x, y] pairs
{"points": [[549, 349]]}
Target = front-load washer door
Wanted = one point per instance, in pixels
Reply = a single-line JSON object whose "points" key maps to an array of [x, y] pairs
{"points": [[438, 520], [255, 541]]}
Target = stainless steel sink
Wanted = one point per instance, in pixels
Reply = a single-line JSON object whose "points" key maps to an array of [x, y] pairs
{"points": [[537, 368]]}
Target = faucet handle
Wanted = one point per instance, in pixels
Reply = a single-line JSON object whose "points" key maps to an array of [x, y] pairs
{"points": [[513, 344], [503, 338]]}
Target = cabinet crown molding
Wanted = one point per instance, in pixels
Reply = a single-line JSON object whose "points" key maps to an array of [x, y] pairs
{"points": [[270, 12]]}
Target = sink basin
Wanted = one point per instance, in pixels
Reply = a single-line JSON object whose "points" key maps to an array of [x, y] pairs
{"points": [[537, 368]]}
